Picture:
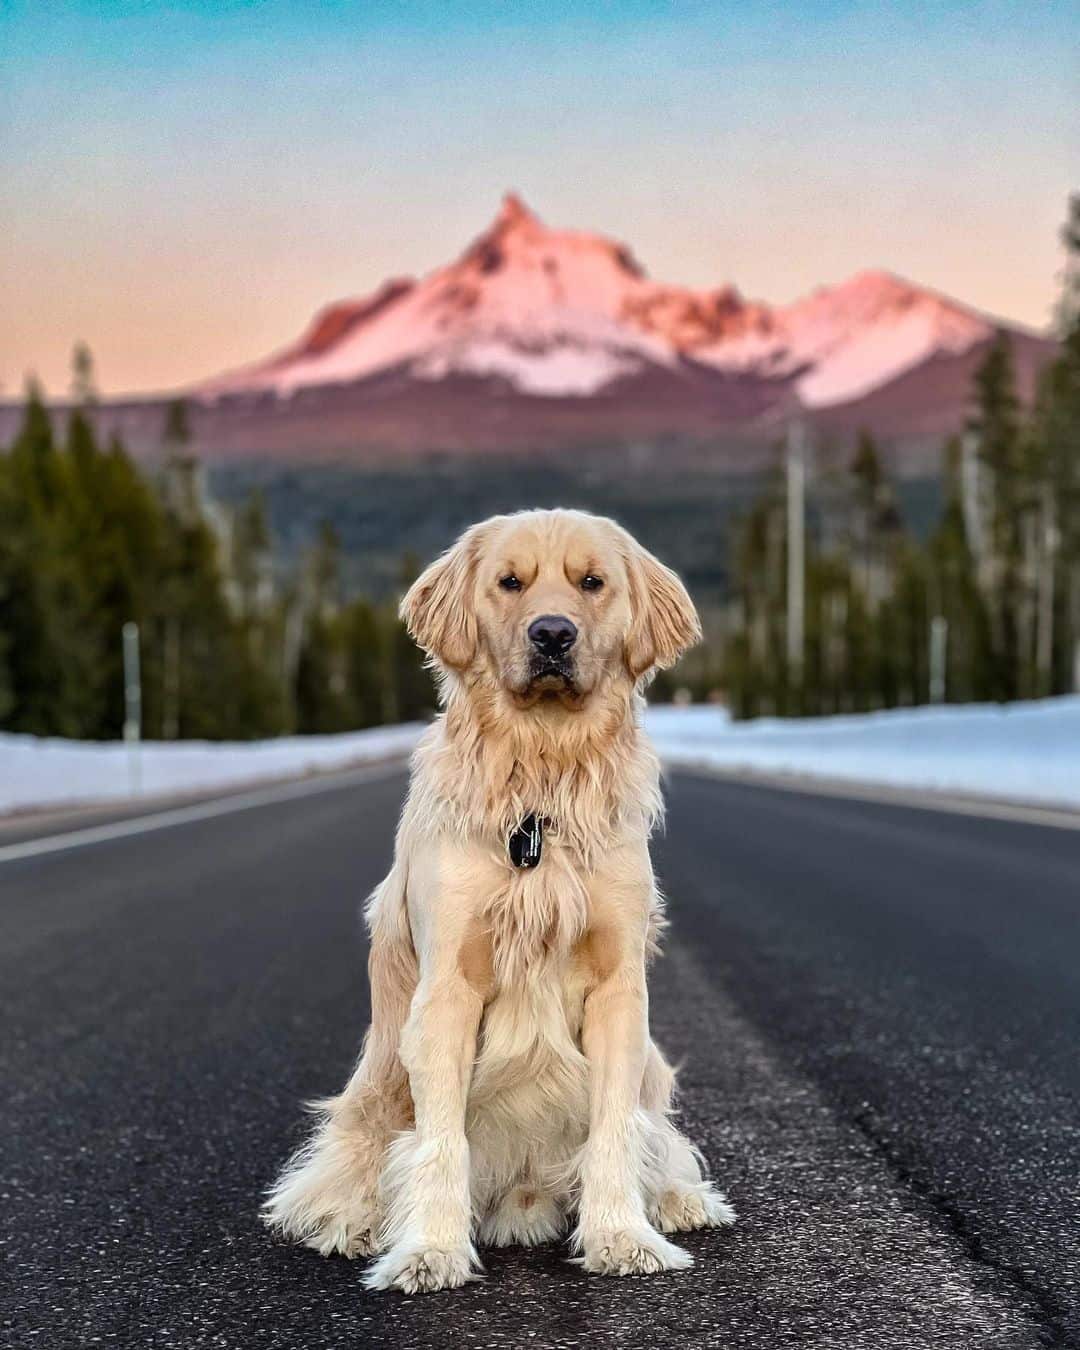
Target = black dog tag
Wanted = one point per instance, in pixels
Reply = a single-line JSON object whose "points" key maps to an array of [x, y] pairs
{"points": [[527, 842]]}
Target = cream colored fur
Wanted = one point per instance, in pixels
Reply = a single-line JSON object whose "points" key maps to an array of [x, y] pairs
{"points": [[508, 1080]]}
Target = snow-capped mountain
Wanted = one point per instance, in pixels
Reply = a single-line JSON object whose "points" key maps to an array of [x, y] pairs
{"points": [[565, 314], [540, 340]]}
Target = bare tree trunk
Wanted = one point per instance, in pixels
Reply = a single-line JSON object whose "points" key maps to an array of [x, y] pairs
{"points": [[1044, 656]]}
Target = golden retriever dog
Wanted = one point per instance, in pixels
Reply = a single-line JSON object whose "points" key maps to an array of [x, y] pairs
{"points": [[508, 1080]]}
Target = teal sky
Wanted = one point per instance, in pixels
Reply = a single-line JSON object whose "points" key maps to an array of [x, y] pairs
{"points": [[181, 185]]}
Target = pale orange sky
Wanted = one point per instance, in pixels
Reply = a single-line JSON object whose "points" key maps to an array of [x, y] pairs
{"points": [[182, 188]]}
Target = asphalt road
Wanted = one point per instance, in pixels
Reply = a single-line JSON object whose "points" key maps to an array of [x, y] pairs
{"points": [[878, 1010]]}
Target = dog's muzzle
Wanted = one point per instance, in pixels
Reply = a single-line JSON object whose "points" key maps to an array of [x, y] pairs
{"points": [[551, 639]]}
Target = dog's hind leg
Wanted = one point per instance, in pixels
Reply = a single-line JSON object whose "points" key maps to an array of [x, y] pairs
{"points": [[327, 1196], [678, 1196]]}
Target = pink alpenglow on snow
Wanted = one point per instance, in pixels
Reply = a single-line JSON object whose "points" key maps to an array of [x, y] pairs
{"points": [[563, 313]]}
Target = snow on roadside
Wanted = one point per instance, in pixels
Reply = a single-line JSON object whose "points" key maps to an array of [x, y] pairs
{"points": [[1026, 751], [37, 772]]}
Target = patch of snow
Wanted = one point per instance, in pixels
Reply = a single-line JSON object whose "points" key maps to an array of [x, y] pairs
{"points": [[563, 369], [37, 772], [1027, 751]]}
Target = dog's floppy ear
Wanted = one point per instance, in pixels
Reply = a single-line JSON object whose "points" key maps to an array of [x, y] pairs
{"points": [[664, 622], [438, 607]]}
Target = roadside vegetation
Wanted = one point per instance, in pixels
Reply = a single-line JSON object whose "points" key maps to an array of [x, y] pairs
{"points": [[230, 647]]}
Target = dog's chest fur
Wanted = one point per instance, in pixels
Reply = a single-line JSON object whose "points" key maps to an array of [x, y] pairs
{"points": [[529, 1067], [535, 916]]}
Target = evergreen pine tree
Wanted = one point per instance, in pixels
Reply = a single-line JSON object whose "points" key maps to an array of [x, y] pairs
{"points": [[996, 423], [322, 677], [361, 639], [176, 432], [410, 688], [83, 385], [1057, 432]]}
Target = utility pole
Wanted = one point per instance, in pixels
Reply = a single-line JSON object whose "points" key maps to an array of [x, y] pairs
{"points": [[132, 705], [795, 466], [939, 648]]}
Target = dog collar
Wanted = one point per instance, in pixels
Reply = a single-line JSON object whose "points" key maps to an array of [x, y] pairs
{"points": [[527, 842]]}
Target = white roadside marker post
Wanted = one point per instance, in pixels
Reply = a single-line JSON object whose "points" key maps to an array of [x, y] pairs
{"points": [[132, 706]]}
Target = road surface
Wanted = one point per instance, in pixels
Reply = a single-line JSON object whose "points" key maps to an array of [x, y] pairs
{"points": [[878, 1010]]}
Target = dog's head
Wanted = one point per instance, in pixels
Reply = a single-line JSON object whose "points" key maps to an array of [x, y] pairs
{"points": [[549, 606]]}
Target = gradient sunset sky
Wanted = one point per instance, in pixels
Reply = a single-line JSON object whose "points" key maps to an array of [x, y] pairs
{"points": [[182, 185]]}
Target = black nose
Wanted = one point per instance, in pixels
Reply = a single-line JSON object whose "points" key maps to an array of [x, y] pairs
{"points": [[552, 634]]}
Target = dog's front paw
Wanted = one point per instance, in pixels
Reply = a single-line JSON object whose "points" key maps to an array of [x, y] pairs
{"points": [[679, 1209], [422, 1270], [632, 1251]]}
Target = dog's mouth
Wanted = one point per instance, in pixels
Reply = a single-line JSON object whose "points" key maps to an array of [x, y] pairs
{"points": [[552, 679], [551, 672]]}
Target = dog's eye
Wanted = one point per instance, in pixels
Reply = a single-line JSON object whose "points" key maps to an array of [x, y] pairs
{"points": [[591, 583], [510, 583]]}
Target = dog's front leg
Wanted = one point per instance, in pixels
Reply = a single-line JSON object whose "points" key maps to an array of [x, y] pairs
{"points": [[614, 1235], [429, 1214]]}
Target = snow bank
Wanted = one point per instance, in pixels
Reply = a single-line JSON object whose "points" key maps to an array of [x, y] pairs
{"points": [[1027, 751], [47, 773]]}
